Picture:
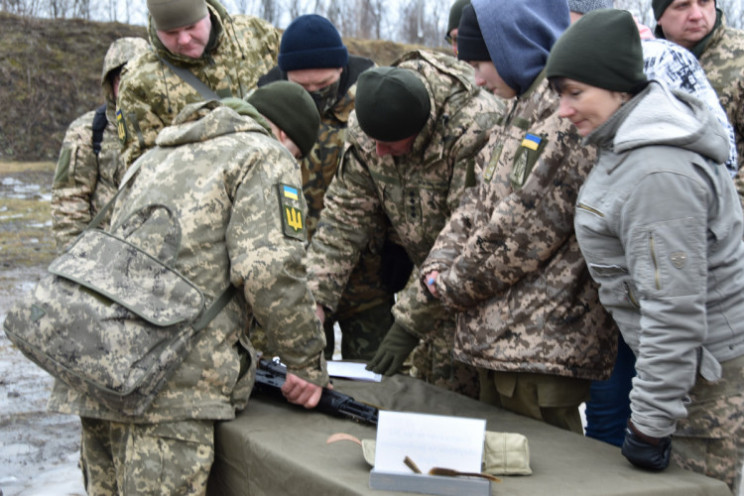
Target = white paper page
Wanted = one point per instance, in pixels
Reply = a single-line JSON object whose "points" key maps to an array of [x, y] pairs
{"points": [[352, 370], [430, 441]]}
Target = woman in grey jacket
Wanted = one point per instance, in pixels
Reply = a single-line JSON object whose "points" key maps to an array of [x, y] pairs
{"points": [[660, 226]]}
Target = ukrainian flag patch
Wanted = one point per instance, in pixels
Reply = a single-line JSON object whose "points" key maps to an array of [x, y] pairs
{"points": [[292, 211], [531, 141]]}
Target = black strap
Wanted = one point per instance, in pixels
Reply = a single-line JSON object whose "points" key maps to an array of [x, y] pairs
{"points": [[99, 126], [205, 91]]}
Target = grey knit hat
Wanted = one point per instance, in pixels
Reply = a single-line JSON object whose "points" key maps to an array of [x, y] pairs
{"points": [[584, 6]]}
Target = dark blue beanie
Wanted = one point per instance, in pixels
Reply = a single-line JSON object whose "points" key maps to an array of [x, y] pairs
{"points": [[311, 42], [519, 36]]}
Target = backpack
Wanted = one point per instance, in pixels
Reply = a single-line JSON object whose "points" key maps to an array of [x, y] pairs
{"points": [[112, 320]]}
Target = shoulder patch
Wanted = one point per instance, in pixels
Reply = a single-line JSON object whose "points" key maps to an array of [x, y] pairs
{"points": [[121, 126], [290, 203]]}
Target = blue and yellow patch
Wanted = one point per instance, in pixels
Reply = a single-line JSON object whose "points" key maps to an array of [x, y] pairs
{"points": [[121, 127], [531, 141], [290, 202]]}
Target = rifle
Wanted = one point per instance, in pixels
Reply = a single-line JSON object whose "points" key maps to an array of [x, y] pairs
{"points": [[270, 376]]}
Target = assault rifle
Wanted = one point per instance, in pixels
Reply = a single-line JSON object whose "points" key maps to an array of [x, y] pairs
{"points": [[270, 377]]}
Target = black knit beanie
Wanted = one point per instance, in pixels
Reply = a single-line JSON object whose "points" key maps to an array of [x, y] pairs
{"points": [[391, 103], [291, 108], [470, 42], [311, 42], [455, 14], [601, 49], [659, 6], [173, 14]]}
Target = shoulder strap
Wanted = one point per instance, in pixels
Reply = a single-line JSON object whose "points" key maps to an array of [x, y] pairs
{"points": [[99, 126], [205, 91]]}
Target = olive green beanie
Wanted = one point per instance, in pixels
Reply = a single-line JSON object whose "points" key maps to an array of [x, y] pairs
{"points": [[601, 49], [391, 103], [173, 14], [292, 109]]}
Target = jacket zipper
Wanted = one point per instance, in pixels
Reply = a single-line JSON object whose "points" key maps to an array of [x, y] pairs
{"points": [[657, 276], [593, 210]]}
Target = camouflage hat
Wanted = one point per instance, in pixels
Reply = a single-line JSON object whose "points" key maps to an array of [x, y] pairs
{"points": [[172, 14], [292, 109], [120, 52], [391, 103]]}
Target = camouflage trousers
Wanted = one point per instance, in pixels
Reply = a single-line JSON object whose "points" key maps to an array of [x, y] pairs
{"points": [[123, 459], [361, 332], [710, 440], [433, 361], [551, 398]]}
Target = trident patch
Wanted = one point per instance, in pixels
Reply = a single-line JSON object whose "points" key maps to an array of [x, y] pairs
{"points": [[290, 202], [121, 126]]}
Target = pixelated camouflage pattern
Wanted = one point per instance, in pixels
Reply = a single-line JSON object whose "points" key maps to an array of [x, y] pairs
{"points": [[723, 62], [219, 172], [509, 261], [710, 440], [415, 193], [83, 184], [151, 94], [123, 458], [120, 52]]}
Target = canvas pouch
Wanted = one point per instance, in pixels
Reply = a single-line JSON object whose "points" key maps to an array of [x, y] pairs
{"points": [[111, 320]]}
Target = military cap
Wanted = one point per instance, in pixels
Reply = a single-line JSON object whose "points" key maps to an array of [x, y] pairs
{"points": [[391, 103], [172, 14], [292, 109]]}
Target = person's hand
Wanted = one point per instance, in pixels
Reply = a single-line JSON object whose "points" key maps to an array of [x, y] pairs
{"points": [[320, 313], [644, 451], [301, 392], [393, 351], [430, 279]]}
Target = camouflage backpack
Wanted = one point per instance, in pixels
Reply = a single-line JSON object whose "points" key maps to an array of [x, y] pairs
{"points": [[112, 320]]}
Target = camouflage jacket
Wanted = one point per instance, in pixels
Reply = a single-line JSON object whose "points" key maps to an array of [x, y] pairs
{"points": [[364, 289], [723, 62], [229, 184], [151, 94], [509, 260], [85, 181], [415, 193]]}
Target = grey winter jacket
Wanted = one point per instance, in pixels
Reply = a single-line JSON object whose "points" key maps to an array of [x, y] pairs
{"points": [[660, 226]]}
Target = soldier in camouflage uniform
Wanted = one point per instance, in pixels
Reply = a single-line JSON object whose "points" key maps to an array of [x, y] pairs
{"points": [[313, 55], [410, 144], [700, 27], [231, 187], [508, 261], [225, 53], [88, 169]]}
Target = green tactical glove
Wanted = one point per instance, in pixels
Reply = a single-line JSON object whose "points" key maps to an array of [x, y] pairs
{"points": [[393, 351]]}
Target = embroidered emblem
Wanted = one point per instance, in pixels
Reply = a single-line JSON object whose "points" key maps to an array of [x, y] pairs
{"points": [[679, 259], [290, 202], [491, 167], [121, 126]]}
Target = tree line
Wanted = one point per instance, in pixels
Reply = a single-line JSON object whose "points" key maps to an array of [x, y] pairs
{"points": [[420, 22]]}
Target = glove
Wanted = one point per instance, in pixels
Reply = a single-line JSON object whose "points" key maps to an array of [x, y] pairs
{"points": [[393, 351], [644, 451]]}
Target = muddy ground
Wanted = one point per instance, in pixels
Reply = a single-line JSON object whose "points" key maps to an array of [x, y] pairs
{"points": [[38, 450]]}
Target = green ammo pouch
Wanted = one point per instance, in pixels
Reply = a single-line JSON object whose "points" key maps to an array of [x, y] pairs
{"points": [[110, 320]]}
